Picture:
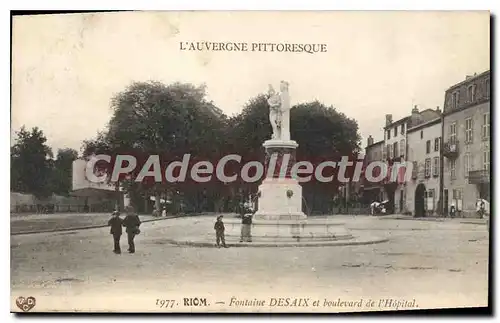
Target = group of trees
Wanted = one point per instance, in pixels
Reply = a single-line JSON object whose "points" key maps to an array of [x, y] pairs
{"points": [[34, 169], [172, 120]]}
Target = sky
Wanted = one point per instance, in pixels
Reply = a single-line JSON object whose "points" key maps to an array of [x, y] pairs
{"points": [[66, 68]]}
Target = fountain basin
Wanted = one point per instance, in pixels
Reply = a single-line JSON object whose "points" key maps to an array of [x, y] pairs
{"points": [[291, 230]]}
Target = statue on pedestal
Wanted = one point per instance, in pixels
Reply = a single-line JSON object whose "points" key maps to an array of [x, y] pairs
{"points": [[279, 112]]}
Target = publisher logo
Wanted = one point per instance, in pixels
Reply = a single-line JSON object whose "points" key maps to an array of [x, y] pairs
{"points": [[26, 304]]}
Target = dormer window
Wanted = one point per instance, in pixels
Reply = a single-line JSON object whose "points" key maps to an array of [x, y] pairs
{"points": [[471, 93], [454, 100]]}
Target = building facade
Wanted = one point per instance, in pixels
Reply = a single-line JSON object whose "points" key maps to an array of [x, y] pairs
{"points": [[370, 191], [395, 151], [466, 144], [424, 150]]}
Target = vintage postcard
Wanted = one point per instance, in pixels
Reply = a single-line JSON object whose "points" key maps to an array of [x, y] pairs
{"points": [[312, 162]]}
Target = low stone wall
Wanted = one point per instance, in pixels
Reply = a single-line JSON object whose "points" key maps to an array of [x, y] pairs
{"points": [[27, 203]]}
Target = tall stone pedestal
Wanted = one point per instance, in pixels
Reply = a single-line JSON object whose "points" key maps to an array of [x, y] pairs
{"points": [[280, 195], [279, 218]]}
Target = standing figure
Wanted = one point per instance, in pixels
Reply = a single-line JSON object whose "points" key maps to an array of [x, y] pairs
{"points": [[132, 223], [279, 112], [116, 230], [274, 102], [452, 210], [480, 208], [246, 227], [219, 232]]}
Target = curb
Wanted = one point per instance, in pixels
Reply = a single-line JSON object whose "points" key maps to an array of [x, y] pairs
{"points": [[88, 227], [281, 245], [472, 222]]}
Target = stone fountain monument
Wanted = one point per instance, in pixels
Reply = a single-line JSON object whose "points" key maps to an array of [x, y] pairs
{"points": [[280, 194], [279, 219]]}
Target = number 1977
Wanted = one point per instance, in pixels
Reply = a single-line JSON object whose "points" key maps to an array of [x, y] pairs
{"points": [[164, 303]]}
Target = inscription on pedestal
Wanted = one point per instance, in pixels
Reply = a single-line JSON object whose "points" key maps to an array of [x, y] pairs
{"points": [[281, 154]]}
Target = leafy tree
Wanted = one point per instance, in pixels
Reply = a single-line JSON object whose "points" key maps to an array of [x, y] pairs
{"points": [[62, 171], [152, 118], [172, 120], [96, 146], [31, 163]]}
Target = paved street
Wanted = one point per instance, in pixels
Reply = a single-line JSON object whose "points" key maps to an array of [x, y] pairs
{"points": [[439, 264]]}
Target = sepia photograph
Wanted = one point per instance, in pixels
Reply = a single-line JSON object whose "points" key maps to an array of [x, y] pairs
{"points": [[250, 161]]}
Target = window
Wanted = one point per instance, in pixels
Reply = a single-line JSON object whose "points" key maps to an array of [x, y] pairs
{"points": [[388, 134], [430, 193], [453, 132], [395, 147], [402, 147], [421, 134], [454, 100], [467, 164], [414, 170], [471, 93], [435, 167], [403, 129], [488, 88], [468, 130], [428, 167], [389, 152], [486, 126], [453, 168], [395, 131], [457, 194], [428, 147], [436, 144], [486, 160]]}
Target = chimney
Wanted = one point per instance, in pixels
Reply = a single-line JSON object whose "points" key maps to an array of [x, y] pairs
{"points": [[370, 140], [415, 116], [388, 119], [438, 110]]}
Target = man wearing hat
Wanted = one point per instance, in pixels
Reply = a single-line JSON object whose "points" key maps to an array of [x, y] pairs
{"points": [[219, 232], [116, 230], [132, 223]]}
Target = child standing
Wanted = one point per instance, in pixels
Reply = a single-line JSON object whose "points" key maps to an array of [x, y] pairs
{"points": [[219, 232]]}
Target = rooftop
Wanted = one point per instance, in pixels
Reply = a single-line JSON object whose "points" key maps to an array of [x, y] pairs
{"points": [[468, 79]]}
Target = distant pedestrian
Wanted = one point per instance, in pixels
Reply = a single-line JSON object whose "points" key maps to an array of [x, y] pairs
{"points": [[116, 230], [132, 223], [452, 211], [481, 208], [219, 232], [246, 227]]}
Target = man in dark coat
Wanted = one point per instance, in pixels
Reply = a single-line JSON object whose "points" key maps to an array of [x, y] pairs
{"points": [[246, 227], [132, 223], [116, 230], [219, 232]]}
